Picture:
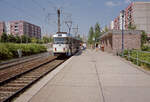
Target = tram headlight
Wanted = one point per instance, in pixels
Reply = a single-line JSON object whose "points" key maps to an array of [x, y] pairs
{"points": [[55, 49]]}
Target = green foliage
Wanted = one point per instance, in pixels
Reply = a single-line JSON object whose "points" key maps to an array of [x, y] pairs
{"points": [[94, 34], [18, 39], [145, 48], [91, 35], [11, 38], [25, 39], [9, 50], [97, 32], [4, 52], [33, 40], [131, 27], [30, 49], [47, 39], [40, 41], [14, 39], [142, 56], [106, 29], [143, 38], [4, 37]]}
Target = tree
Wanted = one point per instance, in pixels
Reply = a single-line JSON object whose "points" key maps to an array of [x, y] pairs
{"points": [[131, 27], [25, 39], [4, 37], [18, 39], [79, 37], [40, 41], [46, 39], [97, 32], [28, 39], [50, 38], [11, 38], [90, 35], [106, 29], [33, 40], [143, 38]]}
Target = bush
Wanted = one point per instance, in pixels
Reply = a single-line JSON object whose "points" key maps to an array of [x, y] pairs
{"points": [[145, 48], [9, 50], [4, 52], [142, 56]]}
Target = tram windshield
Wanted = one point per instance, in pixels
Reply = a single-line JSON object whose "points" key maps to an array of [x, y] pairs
{"points": [[60, 40]]}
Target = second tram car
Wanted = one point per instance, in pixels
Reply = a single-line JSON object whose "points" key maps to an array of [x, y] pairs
{"points": [[65, 44]]}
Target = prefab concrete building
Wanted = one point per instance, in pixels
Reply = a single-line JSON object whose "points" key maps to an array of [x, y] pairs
{"points": [[112, 40], [137, 14]]}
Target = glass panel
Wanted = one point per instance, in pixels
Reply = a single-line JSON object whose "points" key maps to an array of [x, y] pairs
{"points": [[60, 40]]}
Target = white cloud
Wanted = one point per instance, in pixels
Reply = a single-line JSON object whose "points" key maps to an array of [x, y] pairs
{"points": [[111, 3], [127, 1]]}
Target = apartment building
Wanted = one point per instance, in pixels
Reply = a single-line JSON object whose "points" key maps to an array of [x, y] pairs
{"points": [[22, 28], [136, 14], [2, 28]]}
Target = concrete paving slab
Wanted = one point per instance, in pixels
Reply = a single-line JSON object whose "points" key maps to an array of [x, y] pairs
{"points": [[126, 94], [95, 77], [69, 94], [121, 82]]}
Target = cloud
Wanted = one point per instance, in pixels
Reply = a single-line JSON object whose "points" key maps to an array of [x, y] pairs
{"points": [[127, 1], [111, 3]]}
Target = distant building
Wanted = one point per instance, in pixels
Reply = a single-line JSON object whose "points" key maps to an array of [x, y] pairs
{"points": [[136, 14], [21, 28], [2, 28], [117, 23], [121, 21], [111, 25]]}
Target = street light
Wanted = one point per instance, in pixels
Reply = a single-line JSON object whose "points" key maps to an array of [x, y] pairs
{"points": [[94, 42], [122, 12]]}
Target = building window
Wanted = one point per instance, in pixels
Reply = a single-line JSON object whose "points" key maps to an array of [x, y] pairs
{"points": [[16, 26], [16, 30]]}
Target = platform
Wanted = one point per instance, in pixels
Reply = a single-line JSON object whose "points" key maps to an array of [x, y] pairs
{"points": [[91, 76]]}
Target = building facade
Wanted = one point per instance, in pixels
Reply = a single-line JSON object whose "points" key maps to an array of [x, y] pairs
{"points": [[112, 40], [2, 28], [111, 26], [137, 14], [22, 28], [117, 23]]}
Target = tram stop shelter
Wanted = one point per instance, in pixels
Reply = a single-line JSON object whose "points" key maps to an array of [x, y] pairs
{"points": [[112, 40]]}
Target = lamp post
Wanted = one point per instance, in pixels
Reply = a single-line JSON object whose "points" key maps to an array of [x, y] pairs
{"points": [[94, 42], [122, 12]]}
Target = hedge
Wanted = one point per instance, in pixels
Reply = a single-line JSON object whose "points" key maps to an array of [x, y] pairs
{"points": [[142, 56], [9, 50]]}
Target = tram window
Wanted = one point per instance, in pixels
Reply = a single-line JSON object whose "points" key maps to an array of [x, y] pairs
{"points": [[60, 40]]}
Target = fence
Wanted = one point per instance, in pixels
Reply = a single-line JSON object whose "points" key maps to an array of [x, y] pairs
{"points": [[141, 58]]}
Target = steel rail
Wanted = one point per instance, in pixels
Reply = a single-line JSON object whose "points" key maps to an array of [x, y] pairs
{"points": [[42, 74], [18, 61]]}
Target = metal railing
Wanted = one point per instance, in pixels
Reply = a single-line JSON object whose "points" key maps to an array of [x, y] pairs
{"points": [[138, 56]]}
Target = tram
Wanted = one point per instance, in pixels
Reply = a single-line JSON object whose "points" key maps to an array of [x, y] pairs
{"points": [[65, 44]]}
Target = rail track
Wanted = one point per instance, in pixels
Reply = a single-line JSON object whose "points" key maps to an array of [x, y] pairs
{"points": [[15, 80], [17, 61]]}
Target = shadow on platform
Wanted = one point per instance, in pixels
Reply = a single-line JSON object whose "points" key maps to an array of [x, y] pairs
{"points": [[79, 53]]}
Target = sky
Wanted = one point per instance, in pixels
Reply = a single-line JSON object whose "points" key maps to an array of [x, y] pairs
{"points": [[84, 13]]}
